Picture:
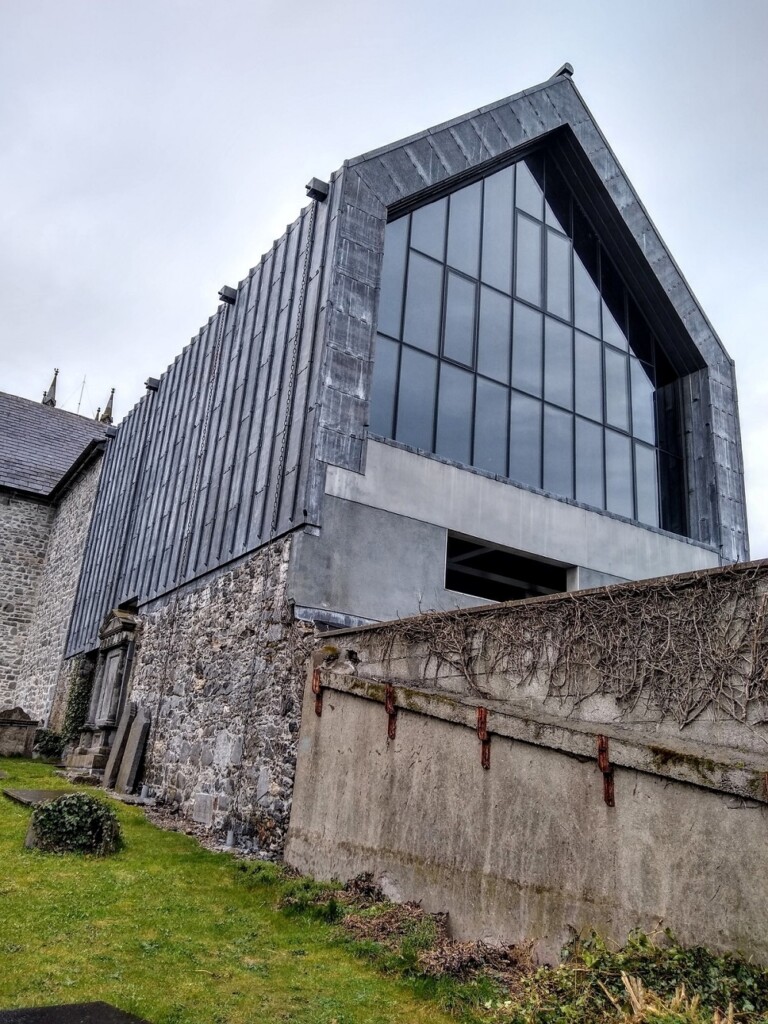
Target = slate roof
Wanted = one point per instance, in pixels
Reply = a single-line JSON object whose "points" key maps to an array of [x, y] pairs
{"points": [[38, 445]]}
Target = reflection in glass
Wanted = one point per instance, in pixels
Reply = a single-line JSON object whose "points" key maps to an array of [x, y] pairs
{"points": [[643, 415], [491, 412], [616, 398], [428, 228], [383, 386], [589, 377], [459, 319], [525, 440], [416, 399], [493, 335], [618, 474], [586, 299], [646, 478], [464, 229], [392, 276], [589, 463], [497, 230], [527, 349], [454, 414], [422, 304], [557, 204], [558, 363], [558, 451], [558, 275], [528, 195], [528, 260]]}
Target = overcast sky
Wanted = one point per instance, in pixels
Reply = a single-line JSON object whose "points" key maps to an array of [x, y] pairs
{"points": [[152, 150]]}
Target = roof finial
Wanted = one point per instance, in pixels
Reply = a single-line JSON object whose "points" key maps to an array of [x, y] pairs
{"points": [[49, 397], [98, 414], [106, 416], [566, 71]]}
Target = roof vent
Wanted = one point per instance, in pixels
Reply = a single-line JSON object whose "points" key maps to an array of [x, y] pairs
{"points": [[151, 383], [566, 71], [111, 432], [317, 189], [228, 295]]}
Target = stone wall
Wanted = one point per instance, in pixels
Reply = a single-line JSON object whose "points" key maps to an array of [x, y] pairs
{"points": [[41, 668], [25, 526], [220, 667]]}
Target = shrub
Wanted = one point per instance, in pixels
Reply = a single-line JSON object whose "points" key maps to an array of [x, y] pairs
{"points": [[76, 823], [48, 743]]}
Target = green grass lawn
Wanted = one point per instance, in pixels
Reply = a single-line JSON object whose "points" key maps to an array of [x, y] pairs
{"points": [[168, 931]]}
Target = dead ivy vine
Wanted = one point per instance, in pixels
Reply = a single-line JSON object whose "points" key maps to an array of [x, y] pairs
{"points": [[681, 646]]}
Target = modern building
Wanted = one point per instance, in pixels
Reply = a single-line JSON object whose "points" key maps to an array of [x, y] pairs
{"points": [[469, 371]]}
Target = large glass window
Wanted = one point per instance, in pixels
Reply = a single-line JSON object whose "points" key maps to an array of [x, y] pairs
{"points": [[508, 341]]}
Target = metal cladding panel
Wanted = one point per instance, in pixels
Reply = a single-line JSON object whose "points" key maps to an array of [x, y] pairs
{"points": [[213, 464]]}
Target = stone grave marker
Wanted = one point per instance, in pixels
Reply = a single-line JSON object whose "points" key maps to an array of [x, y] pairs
{"points": [[134, 749], [31, 797], [17, 733], [118, 745], [76, 1013]]}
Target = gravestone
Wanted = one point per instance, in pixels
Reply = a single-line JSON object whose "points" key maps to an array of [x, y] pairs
{"points": [[76, 1013], [118, 745], [134, 750], [17, 733], [31, 797]]}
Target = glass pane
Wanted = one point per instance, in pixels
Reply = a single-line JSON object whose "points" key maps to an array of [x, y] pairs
{"points": [[464, 229], [640, 337], [589, 377], [454, 414], [589, 463], [416, 399], [673, 510], [558, 275], [529, 196], [558, 452], [558, 363], [618, 474], [586, 299], [528, 266], [422, 303], [527, 349], [459, 319], [392, 277], [428, 229], [497, 230], [491, 411], [614, 316], [643, 417], [557, 205], [383, 387], [616, 399], [494, 335], [525, 439], [646, 478]]}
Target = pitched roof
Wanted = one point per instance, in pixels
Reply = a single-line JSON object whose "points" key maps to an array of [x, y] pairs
{"points": [[38, 444]]}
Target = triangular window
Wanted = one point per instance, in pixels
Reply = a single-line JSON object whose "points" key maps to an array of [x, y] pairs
{"points": [[507, 341]]}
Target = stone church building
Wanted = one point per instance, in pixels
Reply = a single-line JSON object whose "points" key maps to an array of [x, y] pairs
{"points": [[469, 371]]}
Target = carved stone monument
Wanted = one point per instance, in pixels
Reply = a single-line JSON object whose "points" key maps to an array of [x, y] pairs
{"points": [[17, 733]]}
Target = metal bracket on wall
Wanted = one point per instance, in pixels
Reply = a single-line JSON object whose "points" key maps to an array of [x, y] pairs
{"points": [[389, 707], [317, 689], [605, 766], [485, 738]]}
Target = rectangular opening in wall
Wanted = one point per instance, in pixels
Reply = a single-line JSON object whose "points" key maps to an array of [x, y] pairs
{"points": [[473, 567]]}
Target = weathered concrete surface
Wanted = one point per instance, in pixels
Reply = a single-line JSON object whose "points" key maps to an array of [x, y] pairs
{"points": [[529, 848]]}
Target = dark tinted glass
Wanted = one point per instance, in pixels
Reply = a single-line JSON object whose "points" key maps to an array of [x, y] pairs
{"points": [[589, 377], [428, 228], [558, 363], [558, 275], [557, 205], [528, 256], [393, 276], [525, 439], [459, 319], [614, 315], [491, 412], [618, 473], [454, 414], [643, 415], [383, 387], [464, 229], [527, 363], [494, 335], [416, 399], [586, 299], [497, 230], [616, 396], [589, 463], [558, 451], [646, 479], [422, 303], [529, 195]]}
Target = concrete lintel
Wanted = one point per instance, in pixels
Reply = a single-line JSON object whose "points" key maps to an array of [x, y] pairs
{"points": [[684, 761]]}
